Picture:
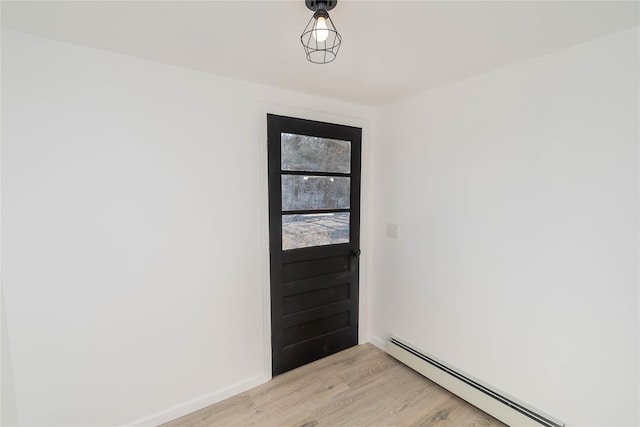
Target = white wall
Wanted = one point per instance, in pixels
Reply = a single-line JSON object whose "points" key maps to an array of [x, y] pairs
{"points": [[135, 256], [9, 412], [516, 194]]}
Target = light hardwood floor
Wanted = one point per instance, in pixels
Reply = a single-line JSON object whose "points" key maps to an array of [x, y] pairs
{"points": [[356, 387]]}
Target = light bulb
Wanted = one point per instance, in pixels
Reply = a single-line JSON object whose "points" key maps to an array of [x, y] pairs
{"points": [[321, 32]]}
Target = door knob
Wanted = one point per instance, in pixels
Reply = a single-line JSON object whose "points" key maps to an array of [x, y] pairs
{"points": [[356, 253]]}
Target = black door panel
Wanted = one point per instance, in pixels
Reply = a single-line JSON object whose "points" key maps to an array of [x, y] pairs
{"points": [[314, 230]]}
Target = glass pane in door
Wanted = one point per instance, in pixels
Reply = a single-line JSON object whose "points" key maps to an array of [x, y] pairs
{"points": [[308, 192], [306, 230], [314, 154]]}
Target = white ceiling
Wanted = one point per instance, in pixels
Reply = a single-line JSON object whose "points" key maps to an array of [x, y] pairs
{"points": [[390, 49]]}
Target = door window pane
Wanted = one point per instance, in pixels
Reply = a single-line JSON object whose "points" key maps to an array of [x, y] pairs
{"points": [[303, 231], [315, 192], [314, 154]]}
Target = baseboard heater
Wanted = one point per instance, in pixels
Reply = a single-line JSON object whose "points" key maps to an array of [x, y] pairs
{"points": [[495, 403]]}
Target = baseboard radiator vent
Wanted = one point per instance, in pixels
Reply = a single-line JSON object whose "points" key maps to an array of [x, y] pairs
{"points": [[495, 403]]}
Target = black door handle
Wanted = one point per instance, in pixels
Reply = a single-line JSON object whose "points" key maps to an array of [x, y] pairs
{"points": [[356, 253]]}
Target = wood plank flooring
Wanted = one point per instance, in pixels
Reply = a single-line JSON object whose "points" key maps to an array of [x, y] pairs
{"points": [[360, 386]]}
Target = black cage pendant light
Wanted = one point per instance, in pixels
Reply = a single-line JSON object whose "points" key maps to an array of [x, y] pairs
{"points": [[320, 38]]}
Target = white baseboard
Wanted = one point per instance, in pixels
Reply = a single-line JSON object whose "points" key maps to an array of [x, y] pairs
{"points": [[494, 402], [198, 403]]}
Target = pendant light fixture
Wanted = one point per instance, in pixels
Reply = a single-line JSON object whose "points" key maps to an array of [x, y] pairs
{"points": [[320, 38]]}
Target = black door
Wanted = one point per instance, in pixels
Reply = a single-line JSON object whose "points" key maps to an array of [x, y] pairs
{"points": [[314, 231]]}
